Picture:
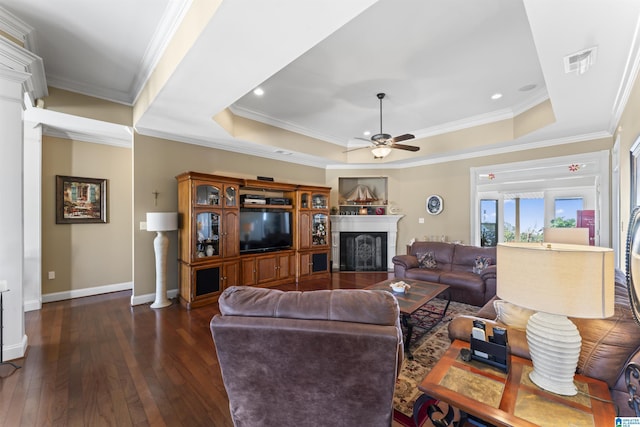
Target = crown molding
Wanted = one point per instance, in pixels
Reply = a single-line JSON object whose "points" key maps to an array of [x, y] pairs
{"points": [[166, 29], [18, 29], [262, 118], [20, 59]]}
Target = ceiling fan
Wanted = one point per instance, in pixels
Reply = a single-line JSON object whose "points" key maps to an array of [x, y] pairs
{"points": [[383, 142]]}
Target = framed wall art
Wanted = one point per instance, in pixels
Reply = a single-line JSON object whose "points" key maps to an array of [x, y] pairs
{"points": [[80, 200]]}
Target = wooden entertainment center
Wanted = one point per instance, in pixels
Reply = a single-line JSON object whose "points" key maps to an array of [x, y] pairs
{"points": [[215, 252]]}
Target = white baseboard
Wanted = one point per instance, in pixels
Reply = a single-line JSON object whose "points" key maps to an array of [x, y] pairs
{"points": [[147, 298], [86, 292], [15, 351], [32, 305]]}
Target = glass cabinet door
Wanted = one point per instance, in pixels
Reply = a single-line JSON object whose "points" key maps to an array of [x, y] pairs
{"points": [[208, 234], [304, 200], [207, 195], [319, 230], [319, 201], [230, 196]]}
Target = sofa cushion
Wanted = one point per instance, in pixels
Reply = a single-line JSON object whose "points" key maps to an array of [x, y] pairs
{"points": [[511, 314], [464, 257], [426, 274], [427, 260]]}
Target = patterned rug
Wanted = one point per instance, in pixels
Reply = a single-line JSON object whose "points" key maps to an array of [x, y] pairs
{"points": [[427, 347]]}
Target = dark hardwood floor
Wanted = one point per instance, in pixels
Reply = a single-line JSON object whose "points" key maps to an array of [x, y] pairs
{"points": [[97, 361]]}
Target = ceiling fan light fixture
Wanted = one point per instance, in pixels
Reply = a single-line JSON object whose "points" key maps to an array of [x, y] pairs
{"points": [[380, 152]]}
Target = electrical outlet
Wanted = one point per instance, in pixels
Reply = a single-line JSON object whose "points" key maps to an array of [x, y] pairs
{"points": [[420, 220], [143, 225], [52, 275]]}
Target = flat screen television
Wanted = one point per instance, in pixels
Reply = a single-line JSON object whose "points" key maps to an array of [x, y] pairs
{"points": [[264, 230]]}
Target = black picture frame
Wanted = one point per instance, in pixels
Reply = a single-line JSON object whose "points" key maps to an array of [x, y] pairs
{"points": [[80, 200]]}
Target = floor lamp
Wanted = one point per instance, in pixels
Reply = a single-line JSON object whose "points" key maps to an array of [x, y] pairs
{"points": [[3, 288], [161, 222]]}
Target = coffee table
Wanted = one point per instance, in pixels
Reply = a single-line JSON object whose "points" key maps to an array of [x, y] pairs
{"points": [[419, 294], [512, 399]]}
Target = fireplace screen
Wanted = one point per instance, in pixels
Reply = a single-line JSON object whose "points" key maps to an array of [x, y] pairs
{"points": [[363, 251]]}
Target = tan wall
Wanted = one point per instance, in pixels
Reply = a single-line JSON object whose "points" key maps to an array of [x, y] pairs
{"points": [[156, 164], [628, 131], [86, 106], [86, 255]]}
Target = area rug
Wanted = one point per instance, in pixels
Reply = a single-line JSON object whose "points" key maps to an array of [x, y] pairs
{"points": [[427, 348]]}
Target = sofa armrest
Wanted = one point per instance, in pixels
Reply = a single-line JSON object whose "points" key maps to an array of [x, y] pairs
{"points": [[460, 329], [402, 263], [406, 261], [488, 276]]}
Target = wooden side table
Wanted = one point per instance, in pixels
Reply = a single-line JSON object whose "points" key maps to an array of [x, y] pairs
{"points": [[512, 399]]}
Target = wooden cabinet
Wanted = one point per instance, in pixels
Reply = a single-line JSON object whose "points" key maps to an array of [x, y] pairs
{"points": [[212, 255], [208, 239], [269, 269], [313, 232]]}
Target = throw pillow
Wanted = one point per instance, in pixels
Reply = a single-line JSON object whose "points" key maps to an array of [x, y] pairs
{"points": [[481, 263], [512, 315], [427, 260]]}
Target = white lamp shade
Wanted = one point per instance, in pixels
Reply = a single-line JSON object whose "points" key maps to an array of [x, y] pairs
{"points": [[162, 221], [380, 152], [556, 278]]}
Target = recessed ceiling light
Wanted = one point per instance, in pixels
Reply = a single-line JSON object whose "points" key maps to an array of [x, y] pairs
{"points": [[366, 133], [496, 96], [528, 87], [258, 91]]}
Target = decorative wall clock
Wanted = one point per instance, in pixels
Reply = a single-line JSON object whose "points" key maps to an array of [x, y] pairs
{"points": [[434, 204]]}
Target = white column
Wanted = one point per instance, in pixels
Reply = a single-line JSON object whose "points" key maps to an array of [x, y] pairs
{"points": [[32, 189], [11, 211]]}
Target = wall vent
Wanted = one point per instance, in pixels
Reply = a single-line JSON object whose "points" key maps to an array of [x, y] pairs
{"points": [[580, 62]]}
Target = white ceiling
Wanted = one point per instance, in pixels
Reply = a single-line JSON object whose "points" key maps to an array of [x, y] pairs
{"points": [[321, 64]]}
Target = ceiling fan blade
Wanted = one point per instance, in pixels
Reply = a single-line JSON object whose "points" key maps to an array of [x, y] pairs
{"points": [[356, 148], [404, 137], [405, 147]]}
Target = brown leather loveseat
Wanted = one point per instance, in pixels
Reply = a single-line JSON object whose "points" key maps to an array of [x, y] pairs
{"points": [[608, 345], [454, 266], [316, 358]]}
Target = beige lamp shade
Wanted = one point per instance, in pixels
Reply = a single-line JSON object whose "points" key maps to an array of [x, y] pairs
{"points": [[571, 235], [162, 221], [556, 278]]}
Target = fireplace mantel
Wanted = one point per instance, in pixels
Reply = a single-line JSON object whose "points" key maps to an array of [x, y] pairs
{"points": [[364, 223]]}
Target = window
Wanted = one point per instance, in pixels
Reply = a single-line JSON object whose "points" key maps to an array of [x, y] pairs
{"points": [[489, 224], [523, 218], [516, 201], [566, 212]]}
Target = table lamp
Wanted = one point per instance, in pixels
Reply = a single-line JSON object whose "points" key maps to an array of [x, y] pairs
{"points": [[161, 222], [557, 281]]}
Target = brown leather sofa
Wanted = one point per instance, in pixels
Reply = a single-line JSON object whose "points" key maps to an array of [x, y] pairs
{"points": [[317, 358], [608, 345], [454, 267]]}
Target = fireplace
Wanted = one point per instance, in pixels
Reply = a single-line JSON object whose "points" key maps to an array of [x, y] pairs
{"points": [[363, 251], [366, 225]]}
